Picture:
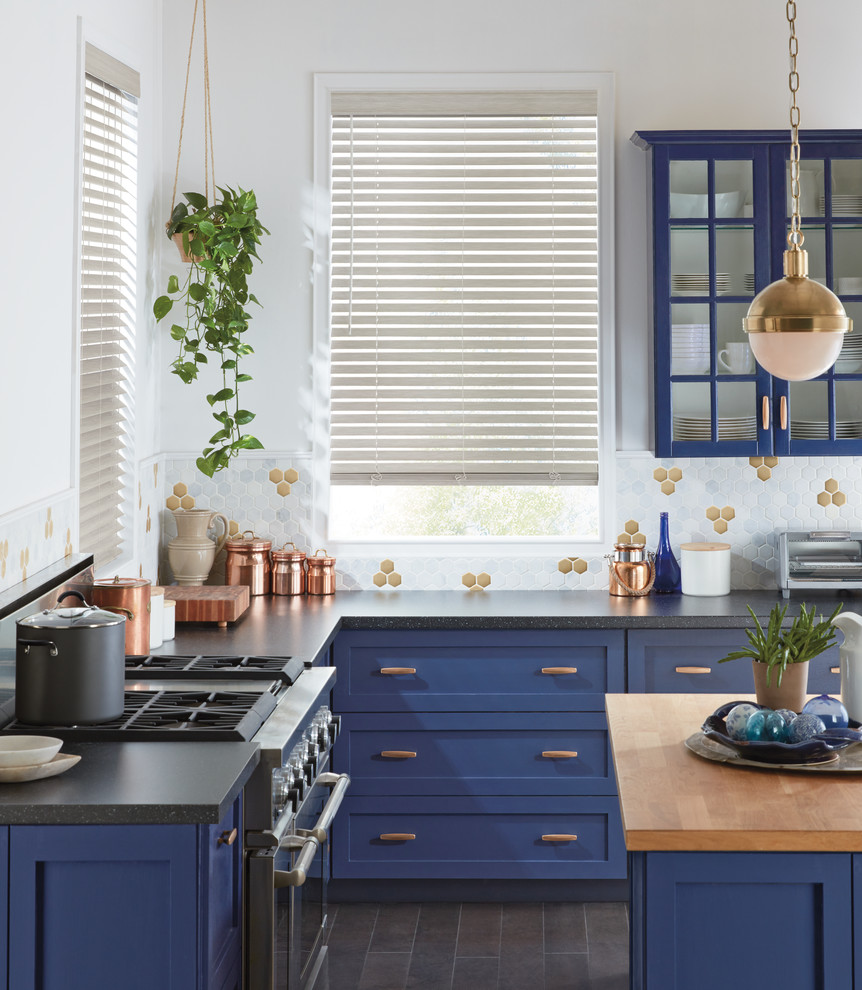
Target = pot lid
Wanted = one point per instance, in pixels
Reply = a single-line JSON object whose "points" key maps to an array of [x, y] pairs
{"points": [[88, 616], [284, 554], [316, 558], [248, 541], [120, 582]]}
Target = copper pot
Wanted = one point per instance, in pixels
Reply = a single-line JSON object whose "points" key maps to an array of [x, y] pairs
{"points": [[630, 570], [129, 597], [288, 571], [247, 562], [321, 574]]}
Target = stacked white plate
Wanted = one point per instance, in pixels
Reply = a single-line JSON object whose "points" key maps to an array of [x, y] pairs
{"points": [[690, 349], [844, 204], [729, 428], [697, 284], [815, 429], [850, 359], [748, 282]]}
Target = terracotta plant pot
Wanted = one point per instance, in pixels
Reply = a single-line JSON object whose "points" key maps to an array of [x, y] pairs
{"points": [[178, 240], [789, 694]]}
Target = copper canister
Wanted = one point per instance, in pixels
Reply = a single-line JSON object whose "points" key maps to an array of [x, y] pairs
{"points": [[321, 574], [630, 570], [129, 597], [247, 562], [288, 570]]}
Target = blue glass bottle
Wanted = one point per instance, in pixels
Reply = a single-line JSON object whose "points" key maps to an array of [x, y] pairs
{"points": [[667, 573]]}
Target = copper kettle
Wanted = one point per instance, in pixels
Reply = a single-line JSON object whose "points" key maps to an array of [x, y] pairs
{"points": [[631, 571]]}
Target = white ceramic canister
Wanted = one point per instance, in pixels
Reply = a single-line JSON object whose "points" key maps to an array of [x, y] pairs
{"points": [[157, 619], [169, 626], [705, 568]]}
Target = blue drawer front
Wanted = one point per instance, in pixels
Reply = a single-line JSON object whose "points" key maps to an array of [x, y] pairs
{"points": [[476, 754], [485, 671], [681, 661], [479, 838]]}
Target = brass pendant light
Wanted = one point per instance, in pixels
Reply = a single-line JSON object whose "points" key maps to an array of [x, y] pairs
{"points": [[796, 326]]}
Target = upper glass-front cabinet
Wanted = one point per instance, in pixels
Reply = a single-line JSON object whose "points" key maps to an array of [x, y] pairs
{"points": [[719, 217]]}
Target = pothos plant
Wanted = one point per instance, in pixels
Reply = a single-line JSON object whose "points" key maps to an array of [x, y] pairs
{"points": [[221, 241]]}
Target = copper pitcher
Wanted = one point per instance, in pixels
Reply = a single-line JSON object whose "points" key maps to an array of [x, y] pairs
{"points": [[631, 571]]}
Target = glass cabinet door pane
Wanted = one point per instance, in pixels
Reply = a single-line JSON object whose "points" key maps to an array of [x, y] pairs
{"points": [[734, 261], [689, 189], [689, 345], [809, 410], [737, 411], [846, 188], [848, 411], [850, 359], [733, 189], [689, 261], [690, 402], [811, 203], [847, 260], [733, 355]]}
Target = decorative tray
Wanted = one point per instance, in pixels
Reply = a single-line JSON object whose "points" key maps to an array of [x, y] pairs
{"points": [[833, 749]]}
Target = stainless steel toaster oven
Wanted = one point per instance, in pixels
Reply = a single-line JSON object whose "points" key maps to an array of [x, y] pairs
{"points": [[819, 560]]}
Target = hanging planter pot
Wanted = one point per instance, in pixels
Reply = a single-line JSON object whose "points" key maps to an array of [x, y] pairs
{"points": [[181, 239]]}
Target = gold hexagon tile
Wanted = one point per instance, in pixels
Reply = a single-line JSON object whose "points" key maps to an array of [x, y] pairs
{"points": [[770, 462], [291, 476], [728, 513], [660, 474], [180, 489], [276, 475], [824, 498], [187, 502], [579, 566], [564, 565], [764, 473], [379, 579], [68, 551], [140, 495], [674, 474], [172, 502], [483, 579], [755, 461], [713, 513], [149, 520], [283, 488], [468, 580], [233, 527], [839, 498], [394, 580], [155, 475], [831, 486], [720, 526], [387, 566], [631, 527], [668, 487], [49, 526]]}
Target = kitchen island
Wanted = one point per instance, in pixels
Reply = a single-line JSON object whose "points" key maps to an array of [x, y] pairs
{"points": [[737, 874]]}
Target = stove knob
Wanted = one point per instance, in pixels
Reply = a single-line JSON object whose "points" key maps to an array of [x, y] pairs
{"points": [[310, 767], [298, 783], [281, 781]]}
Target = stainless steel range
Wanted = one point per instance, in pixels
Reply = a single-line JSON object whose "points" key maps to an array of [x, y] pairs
{"points": [[289, 803]]}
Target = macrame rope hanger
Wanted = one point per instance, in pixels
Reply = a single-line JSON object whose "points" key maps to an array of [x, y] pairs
{"points": [[209, 154]]}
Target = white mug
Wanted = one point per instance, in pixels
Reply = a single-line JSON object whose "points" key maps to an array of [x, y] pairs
{"points": [[736, 358]]}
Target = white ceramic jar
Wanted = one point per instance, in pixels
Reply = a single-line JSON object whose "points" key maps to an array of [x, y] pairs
{"points": [[705, 568], [170, 619], [157, 621]]}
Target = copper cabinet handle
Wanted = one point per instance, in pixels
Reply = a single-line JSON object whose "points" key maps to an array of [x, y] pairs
{"points": [[227, 838], [397, 670], [693, 670], [782, 414], [559, 670], [764, 414], [398, 754], [560, 754], [397, 836], [834, 670], [559, 837]]}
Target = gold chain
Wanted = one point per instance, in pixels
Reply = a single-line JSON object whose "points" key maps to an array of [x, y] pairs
{"points": [[795, 236]]}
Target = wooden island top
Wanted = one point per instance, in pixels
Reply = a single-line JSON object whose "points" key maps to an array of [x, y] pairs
{"points": [[671, 799]]}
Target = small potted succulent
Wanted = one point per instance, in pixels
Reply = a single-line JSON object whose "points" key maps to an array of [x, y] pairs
{"points": [[780, 656]]}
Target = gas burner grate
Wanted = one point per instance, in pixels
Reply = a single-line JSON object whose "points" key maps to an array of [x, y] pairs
{"points": [[286, 669], [169, 716]]}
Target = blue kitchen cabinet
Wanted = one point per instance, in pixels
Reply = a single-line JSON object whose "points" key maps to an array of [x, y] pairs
{"points": [[719, 213], [685, 661], [96, 907], [477, 754], [714, 919]]}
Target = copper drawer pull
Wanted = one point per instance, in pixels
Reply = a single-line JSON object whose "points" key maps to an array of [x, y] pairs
{"points": [[398, 754], [559, 670], [397, 670], [783, 412], [559, 837], [834, 670], [227, 838], [560, 754], [693, 670], [397, 836], [765, 412]]}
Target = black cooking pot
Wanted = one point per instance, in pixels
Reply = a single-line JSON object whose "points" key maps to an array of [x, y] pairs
{"points": [[70, 665]]}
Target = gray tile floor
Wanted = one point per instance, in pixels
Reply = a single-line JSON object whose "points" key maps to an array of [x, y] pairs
{"points": [[450, 946]]}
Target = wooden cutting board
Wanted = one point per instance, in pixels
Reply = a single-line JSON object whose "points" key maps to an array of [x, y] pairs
{"points": [[209, 603]]}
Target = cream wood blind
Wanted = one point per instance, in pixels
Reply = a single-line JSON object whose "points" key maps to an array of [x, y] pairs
{"points": [[464, 292], [107, 318]]}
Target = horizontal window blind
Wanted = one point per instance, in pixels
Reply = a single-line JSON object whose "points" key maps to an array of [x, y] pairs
{"points": [[464, 289], [107, 318]]}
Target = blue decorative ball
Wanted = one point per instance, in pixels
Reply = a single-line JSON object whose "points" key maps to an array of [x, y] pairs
{"points": [[804, 727], [833, 713], [774, 728], [737, 719], [755, 726], [787, 715]]}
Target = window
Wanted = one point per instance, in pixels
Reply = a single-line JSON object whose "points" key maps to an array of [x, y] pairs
{"points": [[465, 314], [107, 292]]}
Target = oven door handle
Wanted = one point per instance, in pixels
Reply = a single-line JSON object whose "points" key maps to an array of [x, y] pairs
{"points": [[339, 782], [299, 874]]}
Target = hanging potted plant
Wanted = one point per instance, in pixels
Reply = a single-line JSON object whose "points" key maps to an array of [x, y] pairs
{"points": [[780, 657], [217, 233]]}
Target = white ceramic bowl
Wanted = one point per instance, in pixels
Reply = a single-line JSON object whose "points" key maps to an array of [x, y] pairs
{"points": [[28, 751]]}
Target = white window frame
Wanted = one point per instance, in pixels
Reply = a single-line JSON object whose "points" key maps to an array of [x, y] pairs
{"points": [[126, 549], [325, 84]]}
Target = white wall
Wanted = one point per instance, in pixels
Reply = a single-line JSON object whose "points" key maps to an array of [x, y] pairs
{"points": [[678, 65], [38, 171]]}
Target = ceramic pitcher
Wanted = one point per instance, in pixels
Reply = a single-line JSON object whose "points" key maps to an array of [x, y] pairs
{"points": [[191, 552], [850, 655]]}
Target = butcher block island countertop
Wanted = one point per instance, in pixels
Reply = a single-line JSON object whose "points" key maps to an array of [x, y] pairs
{"points": [[671, 799]]}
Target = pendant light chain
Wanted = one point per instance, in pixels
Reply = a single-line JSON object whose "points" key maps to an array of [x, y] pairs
{"points": [[795, 237]]}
